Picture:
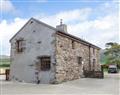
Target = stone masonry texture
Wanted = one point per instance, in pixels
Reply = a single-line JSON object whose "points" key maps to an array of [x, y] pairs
{"points": [[67, 67]]}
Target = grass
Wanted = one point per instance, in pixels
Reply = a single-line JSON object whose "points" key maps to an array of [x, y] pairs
{"points": [[4, 63]]}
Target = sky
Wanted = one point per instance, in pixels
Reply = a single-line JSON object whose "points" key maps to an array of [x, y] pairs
{"points": [[96, 21]]}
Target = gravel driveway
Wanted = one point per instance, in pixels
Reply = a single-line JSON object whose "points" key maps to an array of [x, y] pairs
{"points": [[84, 86]]}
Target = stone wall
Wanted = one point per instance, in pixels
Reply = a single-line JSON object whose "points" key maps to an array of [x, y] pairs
{"points": [[67, 67], [39, 41]]}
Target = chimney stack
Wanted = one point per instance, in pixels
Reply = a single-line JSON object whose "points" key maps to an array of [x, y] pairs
{"points": [[62, 27]]}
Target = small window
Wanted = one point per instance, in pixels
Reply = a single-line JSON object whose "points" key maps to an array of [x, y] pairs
{"points": [[79, 60], [20, 45], [73, 44], [93, 50], [94, 62], [31, 22], [45, 63]]}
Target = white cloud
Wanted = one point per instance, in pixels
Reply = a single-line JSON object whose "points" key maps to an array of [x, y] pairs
{"points": [[6, 6], [104, 23], [99, 31], [68, 16], [8, 30]]}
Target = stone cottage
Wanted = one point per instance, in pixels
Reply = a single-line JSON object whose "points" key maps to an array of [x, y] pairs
{"points": [[44, 54]]}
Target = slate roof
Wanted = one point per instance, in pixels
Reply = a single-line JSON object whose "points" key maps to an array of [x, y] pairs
{"points": [[60, 33]]}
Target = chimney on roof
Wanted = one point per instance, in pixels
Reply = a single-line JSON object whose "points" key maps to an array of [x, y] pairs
{"points": [[62, 27]]}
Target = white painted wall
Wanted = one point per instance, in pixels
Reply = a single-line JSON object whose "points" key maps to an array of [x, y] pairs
{"points": [[20, 68]]}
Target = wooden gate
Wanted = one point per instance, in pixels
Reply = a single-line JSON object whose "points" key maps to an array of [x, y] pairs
{"points": [[7, 73]]}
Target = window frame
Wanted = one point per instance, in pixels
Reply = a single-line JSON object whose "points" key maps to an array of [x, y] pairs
{"points": [[93, 50], [73, 44], [79, 60], [94, 62], [45, 63], [19, 45]]}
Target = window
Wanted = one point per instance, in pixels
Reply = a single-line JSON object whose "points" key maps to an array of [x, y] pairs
{"points": [[31, 22], [20, 45], [45, 63], [93, 50], [94, 61], [73, 44], [79, 60]]}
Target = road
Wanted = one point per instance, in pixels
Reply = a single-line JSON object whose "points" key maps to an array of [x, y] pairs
{"points": [[84, 86]]}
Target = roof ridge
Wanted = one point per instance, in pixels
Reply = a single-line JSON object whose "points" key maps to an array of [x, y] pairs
{"points": [[44, 24], [68, 34]]}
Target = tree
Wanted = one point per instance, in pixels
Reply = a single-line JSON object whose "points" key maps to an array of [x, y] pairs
{"points": [[112, 53]]}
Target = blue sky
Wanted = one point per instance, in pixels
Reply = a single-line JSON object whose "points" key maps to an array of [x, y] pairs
{"points": [[83, 17], [29, 8]]}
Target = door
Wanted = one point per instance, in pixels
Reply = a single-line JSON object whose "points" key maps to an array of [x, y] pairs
{"points": [[45, 67], [80, 64]]}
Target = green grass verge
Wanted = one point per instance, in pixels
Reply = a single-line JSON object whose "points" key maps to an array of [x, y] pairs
{"points": [[4, 63]]}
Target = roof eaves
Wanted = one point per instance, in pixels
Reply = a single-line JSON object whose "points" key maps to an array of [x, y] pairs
{"points": [[79, 39]]}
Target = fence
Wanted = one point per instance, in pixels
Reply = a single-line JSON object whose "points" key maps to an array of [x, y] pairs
{"points": [[7, 73], [94, 74], [4, 74]]}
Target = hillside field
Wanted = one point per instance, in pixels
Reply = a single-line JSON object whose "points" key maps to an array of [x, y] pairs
{"points": [[5, 62]]}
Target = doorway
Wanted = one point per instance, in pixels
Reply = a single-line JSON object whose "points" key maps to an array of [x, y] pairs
{"points": [[44, 70]]}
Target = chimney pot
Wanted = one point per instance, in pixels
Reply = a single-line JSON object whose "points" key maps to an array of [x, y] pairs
{"points": [[62, 27]]}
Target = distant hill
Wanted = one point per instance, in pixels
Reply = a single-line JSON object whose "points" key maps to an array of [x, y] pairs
{"points": [[4, 61], [4, 56]]}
